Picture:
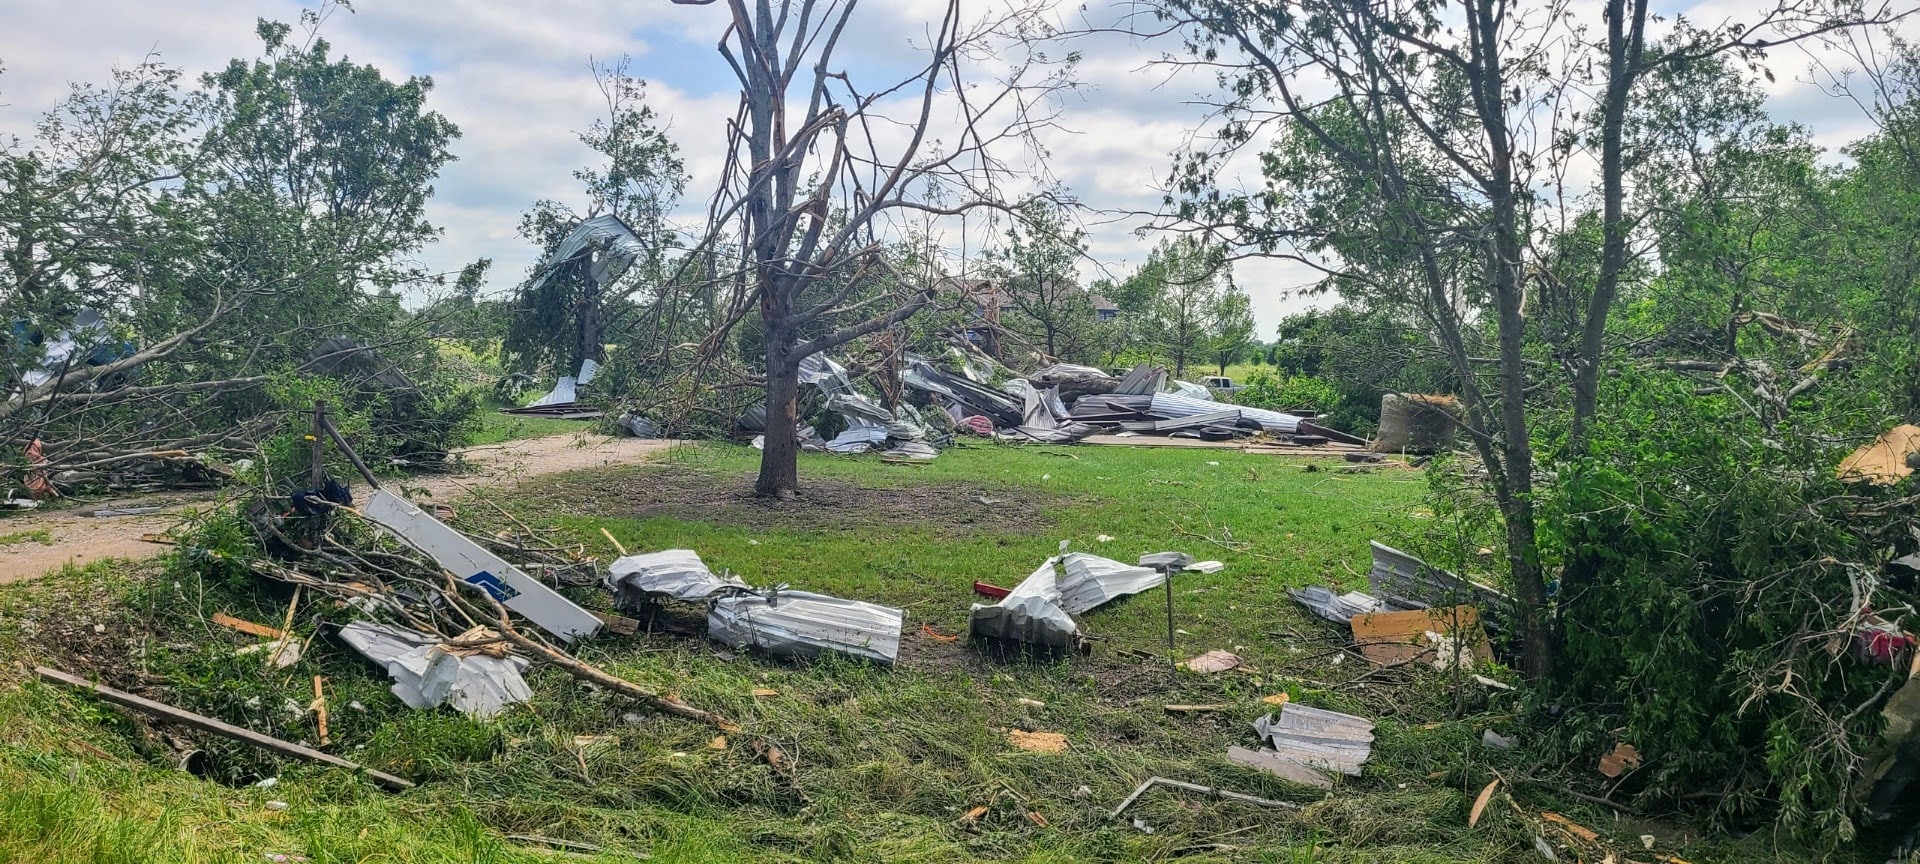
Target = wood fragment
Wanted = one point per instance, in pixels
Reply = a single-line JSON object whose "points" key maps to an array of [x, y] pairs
{"points": [[286, 627], [245, 626], [1574, 828], [617, 546], [160, 539], [928, 631], [1037, 742], [217, 727], [974, 815], [1209, 791], [619, 625], [764, 692], [1037, 819], [319, 708], [1193, 709], [1276, 699], [577, 846], [1625, 757], [1480, 803]]}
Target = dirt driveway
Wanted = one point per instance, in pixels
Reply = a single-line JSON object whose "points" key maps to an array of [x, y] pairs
{"points": [[73, 538]]}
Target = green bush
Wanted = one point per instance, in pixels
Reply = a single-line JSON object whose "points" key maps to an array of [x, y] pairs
{"points": [[1289, 392], [1713, 564]]}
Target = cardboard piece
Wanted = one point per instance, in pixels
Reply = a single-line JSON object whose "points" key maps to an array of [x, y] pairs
{"points": [[1401, 637]]}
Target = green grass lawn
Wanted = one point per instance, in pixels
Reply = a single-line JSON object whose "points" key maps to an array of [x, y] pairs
{"points": [[496, 428], [887, 762]]}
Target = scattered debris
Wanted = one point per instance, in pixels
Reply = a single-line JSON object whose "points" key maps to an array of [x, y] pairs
{"points": [[1194, 709], [1276, 699], [281, 653], [1205, 567], [479, 568], [578, 847], [1625, 757], [1338, 608], [1213, 662], [1498, 741], [1582, 832], [1030, 703], [764, 692], [1406, 582], [1480, 802], [208, 724], [245, 626], [678, 574], [1037, 742]]}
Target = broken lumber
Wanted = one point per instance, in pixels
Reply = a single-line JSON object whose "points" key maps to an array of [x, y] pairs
{"points": [[217, 727]]}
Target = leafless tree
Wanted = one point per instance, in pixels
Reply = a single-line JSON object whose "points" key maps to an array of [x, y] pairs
{"points": [[821, 171]]}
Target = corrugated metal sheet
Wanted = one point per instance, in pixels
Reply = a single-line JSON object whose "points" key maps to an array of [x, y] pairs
{"points": [[1169, 405], [675, 573], [1088, 582], [1338, 608], [1409, 583], [1317, 738], [804, 625]]}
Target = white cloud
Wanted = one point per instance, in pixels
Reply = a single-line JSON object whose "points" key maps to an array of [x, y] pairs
{"points": [[516, 81]]}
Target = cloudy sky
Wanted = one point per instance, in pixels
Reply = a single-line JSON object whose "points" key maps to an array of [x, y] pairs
{"points": [[518, 84]]}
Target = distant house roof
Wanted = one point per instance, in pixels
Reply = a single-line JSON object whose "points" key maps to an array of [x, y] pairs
{"points": [[1102, 304]]}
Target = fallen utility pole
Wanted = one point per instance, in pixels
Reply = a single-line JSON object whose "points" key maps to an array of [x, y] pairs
{"points": [[1209, 791], [217, 727]]}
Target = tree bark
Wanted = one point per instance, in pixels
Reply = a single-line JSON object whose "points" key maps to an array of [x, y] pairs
{"points": [[780, 460]]}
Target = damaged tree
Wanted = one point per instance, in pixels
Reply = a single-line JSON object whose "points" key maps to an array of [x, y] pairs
{"points": [[816, 165], [1415, 184]]}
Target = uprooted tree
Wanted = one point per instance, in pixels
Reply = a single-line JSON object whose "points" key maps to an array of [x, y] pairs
{"points": [[822, 173]]}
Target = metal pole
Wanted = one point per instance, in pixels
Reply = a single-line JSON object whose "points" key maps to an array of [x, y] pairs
{"points": [[1173, 656]]}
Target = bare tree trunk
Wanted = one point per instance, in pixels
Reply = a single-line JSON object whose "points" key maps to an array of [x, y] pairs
{"points": [[779, 461], [591, 323]]}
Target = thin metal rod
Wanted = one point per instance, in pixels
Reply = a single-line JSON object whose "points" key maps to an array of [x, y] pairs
{"points": [[1209, 791]]}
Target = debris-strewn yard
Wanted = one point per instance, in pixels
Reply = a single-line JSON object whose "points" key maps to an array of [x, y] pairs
{"points": [[914, 763]]}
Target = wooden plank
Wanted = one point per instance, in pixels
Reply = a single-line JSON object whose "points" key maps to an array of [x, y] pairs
{"points": [[245, 626], [1401, 637], [217, 727]]}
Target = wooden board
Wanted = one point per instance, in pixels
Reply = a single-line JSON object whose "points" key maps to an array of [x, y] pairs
{"points": [[1401, 637], [217, 727], [1884, 459]]}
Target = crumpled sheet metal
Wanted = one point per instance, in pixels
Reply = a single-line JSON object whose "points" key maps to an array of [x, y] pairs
{"points": [[427, 676], [1406, 582], [1338, 608], [1030, 613], [1171, 406], [618, 242], [1090, 581], [1318, 738], [805, 625], [566, 390], [675, 573], [1039, 423]]}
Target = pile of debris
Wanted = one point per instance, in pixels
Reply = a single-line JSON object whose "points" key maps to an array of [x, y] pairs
{"points": [[1417, 613], [966, 393]]}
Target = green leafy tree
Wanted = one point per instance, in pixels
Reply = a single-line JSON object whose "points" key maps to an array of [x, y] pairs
{"points": [[1043, 304]]}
